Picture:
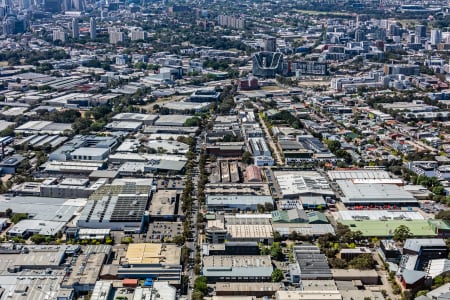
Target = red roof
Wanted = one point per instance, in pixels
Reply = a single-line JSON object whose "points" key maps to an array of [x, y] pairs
{"points": [[128, 281]]}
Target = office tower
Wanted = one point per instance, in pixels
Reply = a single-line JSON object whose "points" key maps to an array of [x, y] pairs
{"points": [[92, 28], [77, 5], [270, 44], [75, 29], [24, 4], [421, 31], [436, 36], [360, 35], [53, 6], [138, 34], [59, 35]]}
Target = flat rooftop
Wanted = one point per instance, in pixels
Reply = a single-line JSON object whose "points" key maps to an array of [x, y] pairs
{"points": [[373, 193], [152, 253], [349, 215], [295, 183], [239, 261], [358, 174], [386, 228], [163, 203], [86, 270]]}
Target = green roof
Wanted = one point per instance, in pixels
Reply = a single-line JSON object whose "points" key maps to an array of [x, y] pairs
{"points": [[315, 217], [440, 224], [420, 228], [280, 216]]}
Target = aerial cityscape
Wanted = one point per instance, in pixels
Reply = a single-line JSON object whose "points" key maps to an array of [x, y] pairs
{"points": [[224, 150]]}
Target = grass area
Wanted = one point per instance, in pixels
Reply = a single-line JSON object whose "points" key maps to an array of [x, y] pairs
{"points": [[386, 228]]}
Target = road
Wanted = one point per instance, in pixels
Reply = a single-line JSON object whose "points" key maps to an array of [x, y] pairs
{"points": [[383, 274], [272, 144]]}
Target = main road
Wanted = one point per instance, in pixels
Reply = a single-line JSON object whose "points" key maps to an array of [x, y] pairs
{"points": [[271, 142]]}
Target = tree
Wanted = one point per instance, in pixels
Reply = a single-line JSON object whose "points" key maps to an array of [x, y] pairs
{"points": [[8, 212], [247, 158], [363, 262], [333, 146], [268, 206], [201, 285], [197, 295], [38, 239], [277, 236], [16, 218], [338, 263], [422, 293], [8, 131], [293, 236], [191, 122], [276, 252], [401, 233], [443, 215], [277, 275], [178, 239]]}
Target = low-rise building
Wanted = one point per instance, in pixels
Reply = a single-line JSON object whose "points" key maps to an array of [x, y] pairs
{"points": [[237, 268]]}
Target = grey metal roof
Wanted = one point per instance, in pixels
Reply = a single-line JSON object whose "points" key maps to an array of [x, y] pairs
{"points": [[416, 244], [373, 193]]}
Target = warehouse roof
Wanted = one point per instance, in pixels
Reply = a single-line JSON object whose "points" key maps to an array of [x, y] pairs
{"points": [[302, 182], [49, 228], [416, 244], [43, 208], [358, 174], [225, 200], [152, 253], [237, 266], [373, 193]]}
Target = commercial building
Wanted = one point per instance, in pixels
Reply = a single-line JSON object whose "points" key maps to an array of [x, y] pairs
{"points": [[304, 229], [231, 248], [236, 202], [205, 95], [310, 264], [374, 194], [165, 205], [244, 228], [86, 271], [10, 164], [119, 206], [255, 289], [425, 250], [171, 120], [302, 183], [150, 260], [126, 126], [92, 28], [85, 148], [43, 127], [147, 119], [27, 228], [289, 216], [358, 174], [237, 268]]}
